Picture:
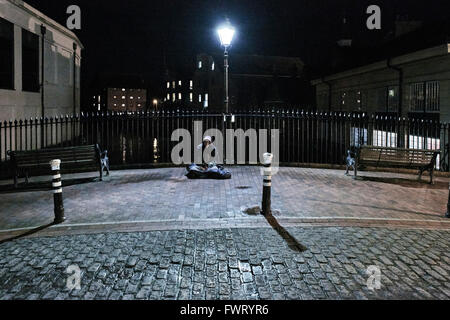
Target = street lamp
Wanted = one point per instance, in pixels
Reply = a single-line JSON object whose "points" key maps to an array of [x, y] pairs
{"points": [[226, 33]]}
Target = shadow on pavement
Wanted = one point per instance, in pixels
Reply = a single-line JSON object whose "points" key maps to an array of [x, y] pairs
{"points": [[290, 240], [28, 233], [43, 186], [408, 183]]}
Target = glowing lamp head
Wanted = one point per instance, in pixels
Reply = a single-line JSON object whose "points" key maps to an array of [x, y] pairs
{"points": [[226, 34]]}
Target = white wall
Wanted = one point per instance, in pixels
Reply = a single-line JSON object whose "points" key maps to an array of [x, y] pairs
{"points": [[58, 66]]}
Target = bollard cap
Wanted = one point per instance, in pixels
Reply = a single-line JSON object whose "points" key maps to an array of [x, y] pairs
{"points": [[268, 157], [55, 164]]}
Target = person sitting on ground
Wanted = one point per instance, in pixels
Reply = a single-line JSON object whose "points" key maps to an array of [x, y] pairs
{"points": [[211, 153]]}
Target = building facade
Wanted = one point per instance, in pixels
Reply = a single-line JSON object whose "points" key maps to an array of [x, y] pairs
{"points": [[254, 82], [118, 92], [40, 64], [415, 85], [120, 100]]}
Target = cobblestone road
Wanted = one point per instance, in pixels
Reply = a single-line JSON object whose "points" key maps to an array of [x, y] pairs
{"points": [[167, 195], [230, 264]]}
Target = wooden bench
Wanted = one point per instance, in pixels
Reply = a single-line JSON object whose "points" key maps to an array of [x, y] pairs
{"points": [[73, 159], [422, 160]]}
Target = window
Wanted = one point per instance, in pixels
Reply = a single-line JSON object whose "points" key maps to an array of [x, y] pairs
{"points": [[206, 102], [6, 54], [384, 139], [417, 97], [179, 96], [358, 136], [200, 64], [199, 98], [30, 61], [173, 97], [213, 66], [424, 96], [180, 83], [191, 84], [191, 97], [432, 96], [168, 85], [392, 99], [343, 96], [168, 96], [173, 84]]}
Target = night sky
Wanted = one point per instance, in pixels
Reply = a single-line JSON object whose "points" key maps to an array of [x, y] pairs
{"points": [[132, 37]]}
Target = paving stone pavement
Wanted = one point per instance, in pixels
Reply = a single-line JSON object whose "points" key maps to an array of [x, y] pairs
{"points": [[167, 195], [254, 263]]}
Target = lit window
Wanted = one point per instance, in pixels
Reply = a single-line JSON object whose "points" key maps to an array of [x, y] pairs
{"points": [[168, 96], [139, 104], [179, 83], [115, 104], [173, 84], [168, 85], [199, 98], [115, 97], [123, 97], [131, 97], [139, 98], [173, 97], [199, 64], [213, 66], [123, 104], [191, 84], [179, 96], [191, 97], [123, 90], [206, 102]]}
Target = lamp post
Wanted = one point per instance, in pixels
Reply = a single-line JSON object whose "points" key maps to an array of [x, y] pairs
{"points": [[226, 33]]}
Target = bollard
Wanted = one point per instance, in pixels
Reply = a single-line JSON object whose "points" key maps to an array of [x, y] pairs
{"points": [[57, 192], [267, 172], [447, 215]]}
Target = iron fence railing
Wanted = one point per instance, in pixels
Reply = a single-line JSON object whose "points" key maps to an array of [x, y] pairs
{"points": [[305, 137]]}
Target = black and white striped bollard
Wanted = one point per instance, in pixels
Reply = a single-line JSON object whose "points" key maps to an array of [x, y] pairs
{"points": [[57, 192], [267, 172], [447, 215]]}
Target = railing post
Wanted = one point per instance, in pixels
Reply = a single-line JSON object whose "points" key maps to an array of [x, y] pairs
{"points": [[57, 191], [267, 185], [447, 215]]}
